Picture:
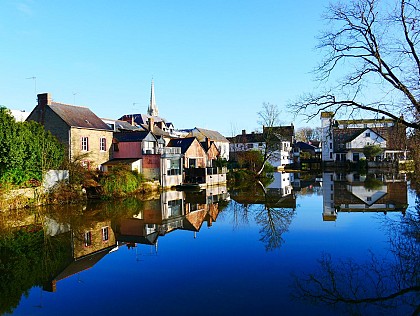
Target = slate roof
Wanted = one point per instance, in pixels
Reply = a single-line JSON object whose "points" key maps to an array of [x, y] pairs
{"points": [[141, 119], [212, 135], [120, 161], [183, 143], [134, 136], [304, 146], [123, 125], [78, 116], [247, 138], [281, 132]]}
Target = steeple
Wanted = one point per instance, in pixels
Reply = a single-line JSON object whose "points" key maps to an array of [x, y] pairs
{"points": [[152, 110]]}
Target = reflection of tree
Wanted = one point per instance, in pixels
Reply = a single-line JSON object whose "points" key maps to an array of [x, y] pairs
{"points": [[274, 222], [240, 214], [266, 208], [380, 283]]}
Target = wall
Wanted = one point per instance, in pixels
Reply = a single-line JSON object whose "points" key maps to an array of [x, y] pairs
{"points": [[128, 150], [52, 122], [151, 166], [95, 156], [196, 151]]}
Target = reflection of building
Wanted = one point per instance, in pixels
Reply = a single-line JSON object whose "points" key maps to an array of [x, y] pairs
{"points": [[282, 183], [172, 211], [278, 194], [90, 242], [356, 193]]}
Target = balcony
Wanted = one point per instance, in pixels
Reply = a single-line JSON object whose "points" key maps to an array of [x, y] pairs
{"points": [[169, 151]]}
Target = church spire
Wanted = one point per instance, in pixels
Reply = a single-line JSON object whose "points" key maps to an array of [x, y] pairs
{"points": [[152, 110]]}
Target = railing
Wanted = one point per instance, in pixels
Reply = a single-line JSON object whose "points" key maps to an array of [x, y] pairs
{"points": [[216, 170], [169, 150]]}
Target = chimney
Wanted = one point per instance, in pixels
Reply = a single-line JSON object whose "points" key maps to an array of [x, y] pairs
{"points": [[243, 132], [151, 124], [44, 99]]}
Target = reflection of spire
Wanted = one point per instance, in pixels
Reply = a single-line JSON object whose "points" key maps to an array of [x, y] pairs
{"points": [[152, 110]]}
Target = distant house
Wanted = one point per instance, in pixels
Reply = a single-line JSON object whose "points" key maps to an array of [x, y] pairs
{"points": [[194, 154], [121, 126], [144, 152], [345, 140], [19, 115], [205, 135], [198, 167], [281, 136], [84, 134]]}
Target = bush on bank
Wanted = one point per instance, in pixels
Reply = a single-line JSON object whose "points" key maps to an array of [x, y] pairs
{"points": [[120, 182]]}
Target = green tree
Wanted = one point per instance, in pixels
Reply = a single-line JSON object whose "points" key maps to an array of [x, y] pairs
{"points": [[27, 150], [371, 151]]}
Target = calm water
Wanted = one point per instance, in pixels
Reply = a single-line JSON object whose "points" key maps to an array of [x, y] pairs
{"points": [[332, 244]]}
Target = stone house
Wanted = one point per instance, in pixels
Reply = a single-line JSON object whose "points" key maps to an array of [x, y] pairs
{"points": [[84, 134]]}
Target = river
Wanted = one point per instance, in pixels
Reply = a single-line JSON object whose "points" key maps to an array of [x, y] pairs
{"points": [[327, 244]]}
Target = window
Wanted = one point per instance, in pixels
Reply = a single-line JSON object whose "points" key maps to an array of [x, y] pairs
{"points": [[85, 143], [116, 148], [367, 134], [102, 144], [330, 145], [330, 155], [105, 233], [88, 239], [250, 146]]}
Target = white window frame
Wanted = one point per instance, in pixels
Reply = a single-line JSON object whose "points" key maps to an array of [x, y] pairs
{"points": [[84, 142], [102, 144]]}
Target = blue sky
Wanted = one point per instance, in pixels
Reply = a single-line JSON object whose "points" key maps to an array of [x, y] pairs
{"points": [[213, 62]]}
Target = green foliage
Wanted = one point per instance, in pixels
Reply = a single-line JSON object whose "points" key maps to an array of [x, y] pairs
{"points": [[26, 150], [29, 258], [120, 182], [371, 151], [371, 183]]}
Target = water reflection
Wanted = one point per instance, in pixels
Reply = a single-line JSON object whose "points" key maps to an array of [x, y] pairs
{"points": [[381, 285], [352, 192], [43, 247], [272, 208]]}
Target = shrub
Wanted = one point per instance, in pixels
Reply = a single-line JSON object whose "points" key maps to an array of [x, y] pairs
{"points": [[120, 182]]}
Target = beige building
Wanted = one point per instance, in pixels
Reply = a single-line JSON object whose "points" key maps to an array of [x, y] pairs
{"points": [[85, 135]]}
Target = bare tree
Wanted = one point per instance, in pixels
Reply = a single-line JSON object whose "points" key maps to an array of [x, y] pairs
{"points": [[375, 43], [269, 117]]}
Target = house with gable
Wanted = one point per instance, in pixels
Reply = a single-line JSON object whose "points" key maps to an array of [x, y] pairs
{"points": [[206, 135], [84, 134], [145, 153], [198, 166], [282, 138], [345, 140]]}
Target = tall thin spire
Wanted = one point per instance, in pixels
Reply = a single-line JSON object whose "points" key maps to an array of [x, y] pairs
{"points": [[152, 110]]}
